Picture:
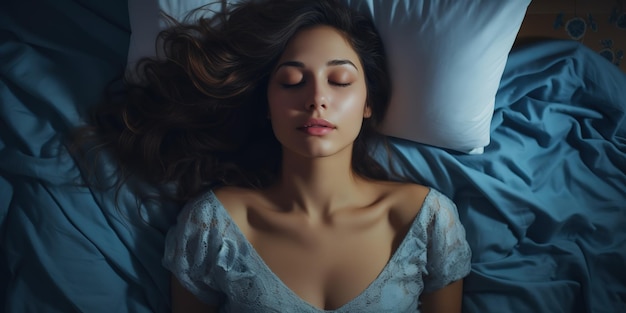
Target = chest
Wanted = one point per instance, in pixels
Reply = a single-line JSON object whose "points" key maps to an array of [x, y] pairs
{"points": [[328, 267]]}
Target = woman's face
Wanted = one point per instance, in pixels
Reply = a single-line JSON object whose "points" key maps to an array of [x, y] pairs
{"points": [[317, 94]]}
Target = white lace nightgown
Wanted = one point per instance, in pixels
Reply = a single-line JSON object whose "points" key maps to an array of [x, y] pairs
{"points": [[210, 256]]}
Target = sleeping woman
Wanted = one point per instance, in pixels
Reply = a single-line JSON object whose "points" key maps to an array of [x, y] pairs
{"points": [[265, 119]]}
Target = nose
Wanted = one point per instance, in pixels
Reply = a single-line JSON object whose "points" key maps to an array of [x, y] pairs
{"points": [[318, 97]]}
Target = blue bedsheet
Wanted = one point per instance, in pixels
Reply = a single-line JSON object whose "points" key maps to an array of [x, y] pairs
{"points": [[544, 206]]}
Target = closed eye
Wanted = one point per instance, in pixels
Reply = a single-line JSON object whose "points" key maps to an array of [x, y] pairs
{"points": [[341, 85], [287, 86]]}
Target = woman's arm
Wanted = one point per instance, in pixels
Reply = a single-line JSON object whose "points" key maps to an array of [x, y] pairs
{"points": [[184, 301], [444, 300]]}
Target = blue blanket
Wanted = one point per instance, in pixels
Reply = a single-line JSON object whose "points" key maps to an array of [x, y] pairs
{"points": [[544, 206]]}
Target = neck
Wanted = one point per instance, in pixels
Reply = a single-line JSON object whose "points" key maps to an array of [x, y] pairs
{"points": [[317, 186]]}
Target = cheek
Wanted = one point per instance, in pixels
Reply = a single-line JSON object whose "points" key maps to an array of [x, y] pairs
{"points": [[280, 107], [275, 100], [354, 102]]}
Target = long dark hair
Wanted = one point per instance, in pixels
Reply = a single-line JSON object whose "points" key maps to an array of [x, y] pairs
{"points": [[197, 116]]}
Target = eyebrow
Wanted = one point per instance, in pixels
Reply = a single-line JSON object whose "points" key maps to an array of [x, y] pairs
{"points": [[329, 63]]}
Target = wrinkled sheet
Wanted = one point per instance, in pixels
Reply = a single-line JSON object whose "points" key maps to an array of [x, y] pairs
{"points": [[65, 247], [544, 207]]}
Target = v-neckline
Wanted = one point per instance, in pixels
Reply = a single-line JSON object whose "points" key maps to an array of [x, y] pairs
{"points": [[270, 273]]}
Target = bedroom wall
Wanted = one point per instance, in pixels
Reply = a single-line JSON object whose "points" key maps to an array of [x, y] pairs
{"points": [[598, 24]]}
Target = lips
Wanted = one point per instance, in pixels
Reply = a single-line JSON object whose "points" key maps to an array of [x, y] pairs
{"points": [[317, 122], [317, 127]]}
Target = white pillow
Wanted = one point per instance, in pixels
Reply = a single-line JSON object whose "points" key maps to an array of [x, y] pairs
{"points": [[446, 59]]}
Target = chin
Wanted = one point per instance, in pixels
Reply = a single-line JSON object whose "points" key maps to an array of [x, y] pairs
{"points": [[321, 152]]}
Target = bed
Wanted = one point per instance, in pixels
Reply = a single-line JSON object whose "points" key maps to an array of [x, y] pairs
{"points": [[544, 205]]}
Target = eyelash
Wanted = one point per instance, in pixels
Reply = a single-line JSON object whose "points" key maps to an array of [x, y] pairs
{"points": [[288, 86], [302, 83]]}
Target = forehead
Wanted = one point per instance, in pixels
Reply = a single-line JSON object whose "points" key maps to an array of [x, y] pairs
{"points": [[319, 43]]}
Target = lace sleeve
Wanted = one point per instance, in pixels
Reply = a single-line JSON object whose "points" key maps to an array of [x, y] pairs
{"points": [[448, 253], [188, 250]]}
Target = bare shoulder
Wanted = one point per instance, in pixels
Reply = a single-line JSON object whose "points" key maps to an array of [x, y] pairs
{"points": [[233, 198], [406, 199], [236, 201]]}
